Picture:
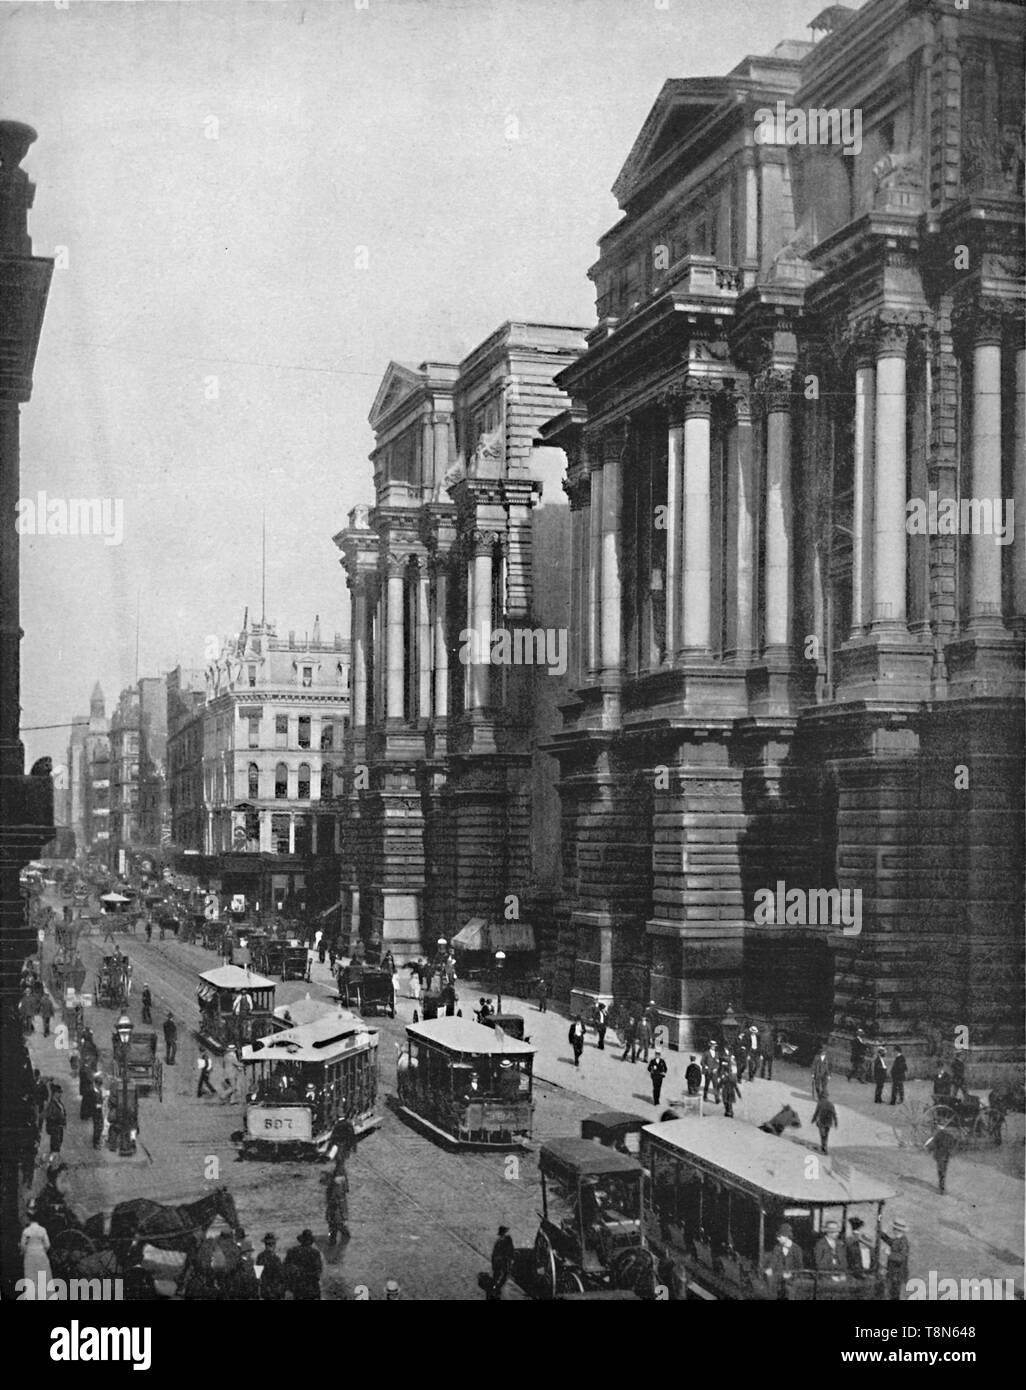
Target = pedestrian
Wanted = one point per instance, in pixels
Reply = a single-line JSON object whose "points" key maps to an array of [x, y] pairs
{"points": [[657, 1071], [899, 1071], [336, 1207], [943, 1142], [147, 1004], [693, 1076], [42, 1094], [879, 1075], [767, 1050], [388, 962], [27, 1013], [332, 957], [170, 1039], [856, 1072], [204, 1067], [820, 1072], [942, 1087], [447, 996], [739, 1055], [729, 1090], [97, 1110], [958, 1086], [897, 1260], [644, 1036], [830, 1255], [652, 1017], [56, 1118], [859, 1246], [711, 1072], [35, 1246], [149, 928], [241, 1284], [46, 1013], [630, 1039], [322, 947], [270, 1270], [503, 1254], [751, 1036], [543, 995], [601, 1024], [576, 1038], [302, 1269], [785, 1259], [825, 1119]]}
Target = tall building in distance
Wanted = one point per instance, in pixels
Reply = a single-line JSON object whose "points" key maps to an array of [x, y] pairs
{"points": [[792, 757], [271, 733], [186, 696], [459, 583]]}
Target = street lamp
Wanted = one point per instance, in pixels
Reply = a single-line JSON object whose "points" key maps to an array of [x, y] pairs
{"points": [[123, 1028], [500, 961]]}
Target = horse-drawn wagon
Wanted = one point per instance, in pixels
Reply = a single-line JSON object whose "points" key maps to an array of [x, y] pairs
{"points": [[138, 1058], [111, 984]]}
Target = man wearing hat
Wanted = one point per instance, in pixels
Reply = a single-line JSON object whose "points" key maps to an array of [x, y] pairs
{"points": [[897, 1260], [693, 1076], [829, 1255], [879, 1075], [943, 1142], [336, 1211], [858, 1057], [303, 1266], [657, 1071], [825, 1119], [270, 1270], [503, 1254], [147, 1004], [820, 1073], [785, 1258], [859, 1248], [56, 1118]]}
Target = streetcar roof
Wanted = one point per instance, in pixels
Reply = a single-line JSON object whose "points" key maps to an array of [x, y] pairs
{"points": [[742, 1152], [234, 977], [587, 1158], [463, 1036], [319, 1041], [306, 1010]]}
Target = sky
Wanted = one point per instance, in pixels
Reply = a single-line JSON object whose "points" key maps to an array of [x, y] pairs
{"points": [[254, 207]]}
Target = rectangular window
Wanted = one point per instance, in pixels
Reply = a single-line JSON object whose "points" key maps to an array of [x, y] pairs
{"points": [[281, 731], [304, 731], [254, 733], [252, 675], [327, 735], [280, 834], [307, 676]]}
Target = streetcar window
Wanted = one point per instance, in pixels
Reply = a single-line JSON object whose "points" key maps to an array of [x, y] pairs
{"points": [[744, 1226]]}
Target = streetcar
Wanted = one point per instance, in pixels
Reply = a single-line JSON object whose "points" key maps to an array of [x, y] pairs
{"points": [[302, 1081], [235, 1007], [468, 1084], [367, 988], [591, 1236], [718, 1195]]}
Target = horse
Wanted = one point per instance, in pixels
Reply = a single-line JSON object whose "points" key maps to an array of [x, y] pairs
{"points": [[142, 1222], [783, 1119]]}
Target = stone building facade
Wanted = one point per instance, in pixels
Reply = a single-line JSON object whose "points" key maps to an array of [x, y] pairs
{"points": [[89, 803], [186, 696], [273, 727], [451, 810], [787, 671]]}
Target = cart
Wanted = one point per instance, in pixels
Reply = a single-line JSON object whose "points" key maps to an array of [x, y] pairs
{"points": [[111, 990], [139, 1058]]}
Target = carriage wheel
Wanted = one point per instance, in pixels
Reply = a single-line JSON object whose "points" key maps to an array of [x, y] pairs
{"points": [[545, 1264], [67, 1250], [947, 1115], [635, 1270], [569, 1281], [913, 1124], [981, 1125]]}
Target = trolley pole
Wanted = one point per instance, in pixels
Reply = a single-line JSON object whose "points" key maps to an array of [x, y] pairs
{"points": [[26, 803]]}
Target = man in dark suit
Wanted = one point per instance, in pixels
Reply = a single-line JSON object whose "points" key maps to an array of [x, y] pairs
{"points": [[729, 1089], [897, 1260], [784, 1260], [830, 1256], [943, 1144], [879, 1075], [820, 1073], [576, 1038], [503, 1255], [657, 1071], [859, 1249], [825, 1119], [899, 1070], [693, 1076], [711, 1072], [858, 1057]]}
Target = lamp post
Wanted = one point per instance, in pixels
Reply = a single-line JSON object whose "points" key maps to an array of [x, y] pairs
{"points": [[500, 961], [123, 1028]]}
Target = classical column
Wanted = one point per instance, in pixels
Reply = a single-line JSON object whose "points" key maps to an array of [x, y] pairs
{"points": [[614, 442], [395, 597], [441, 710], [358, 586], [889, 492], [313, 832], [481, 565], [674, 490], [862, 500], [1019, 484], [741, 555], [424, 640], [440, 427], [292, 832], [984, 551], [595, 567], [427, 455], [265, 833], [696, 597]]}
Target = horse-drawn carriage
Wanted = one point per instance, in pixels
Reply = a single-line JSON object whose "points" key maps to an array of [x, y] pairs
{"points": [[112, 983], [139, 1059], [968, 1116], [368, 990]]}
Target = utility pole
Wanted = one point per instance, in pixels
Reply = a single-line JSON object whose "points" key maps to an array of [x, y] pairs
{"points": [[26, 803]]}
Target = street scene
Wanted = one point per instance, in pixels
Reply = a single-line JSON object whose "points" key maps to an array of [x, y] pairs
{"points": [[513, 761]]}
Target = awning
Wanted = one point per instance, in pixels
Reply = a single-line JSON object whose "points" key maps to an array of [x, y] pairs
{"points": [[481, 935]]}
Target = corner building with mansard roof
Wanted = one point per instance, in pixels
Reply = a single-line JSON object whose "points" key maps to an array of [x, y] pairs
{"points": [[450, 809], [773, 680]]}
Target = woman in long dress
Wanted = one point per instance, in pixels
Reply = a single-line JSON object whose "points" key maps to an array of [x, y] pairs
{"points": [[34, 1245]]}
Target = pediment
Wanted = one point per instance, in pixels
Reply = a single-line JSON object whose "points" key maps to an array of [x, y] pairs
{"points": [[400, 380], [681, 106]]}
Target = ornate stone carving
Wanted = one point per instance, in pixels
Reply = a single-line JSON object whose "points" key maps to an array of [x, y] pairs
{"points": [[774, 389], [691, 395]]}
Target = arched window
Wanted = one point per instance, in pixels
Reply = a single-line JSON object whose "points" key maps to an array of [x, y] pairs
{"points": [[254, 781], [327, 782], [281, 782], [303, 791]]}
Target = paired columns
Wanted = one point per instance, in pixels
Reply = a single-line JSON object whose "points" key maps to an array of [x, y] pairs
{"points": [[984, 551]]}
